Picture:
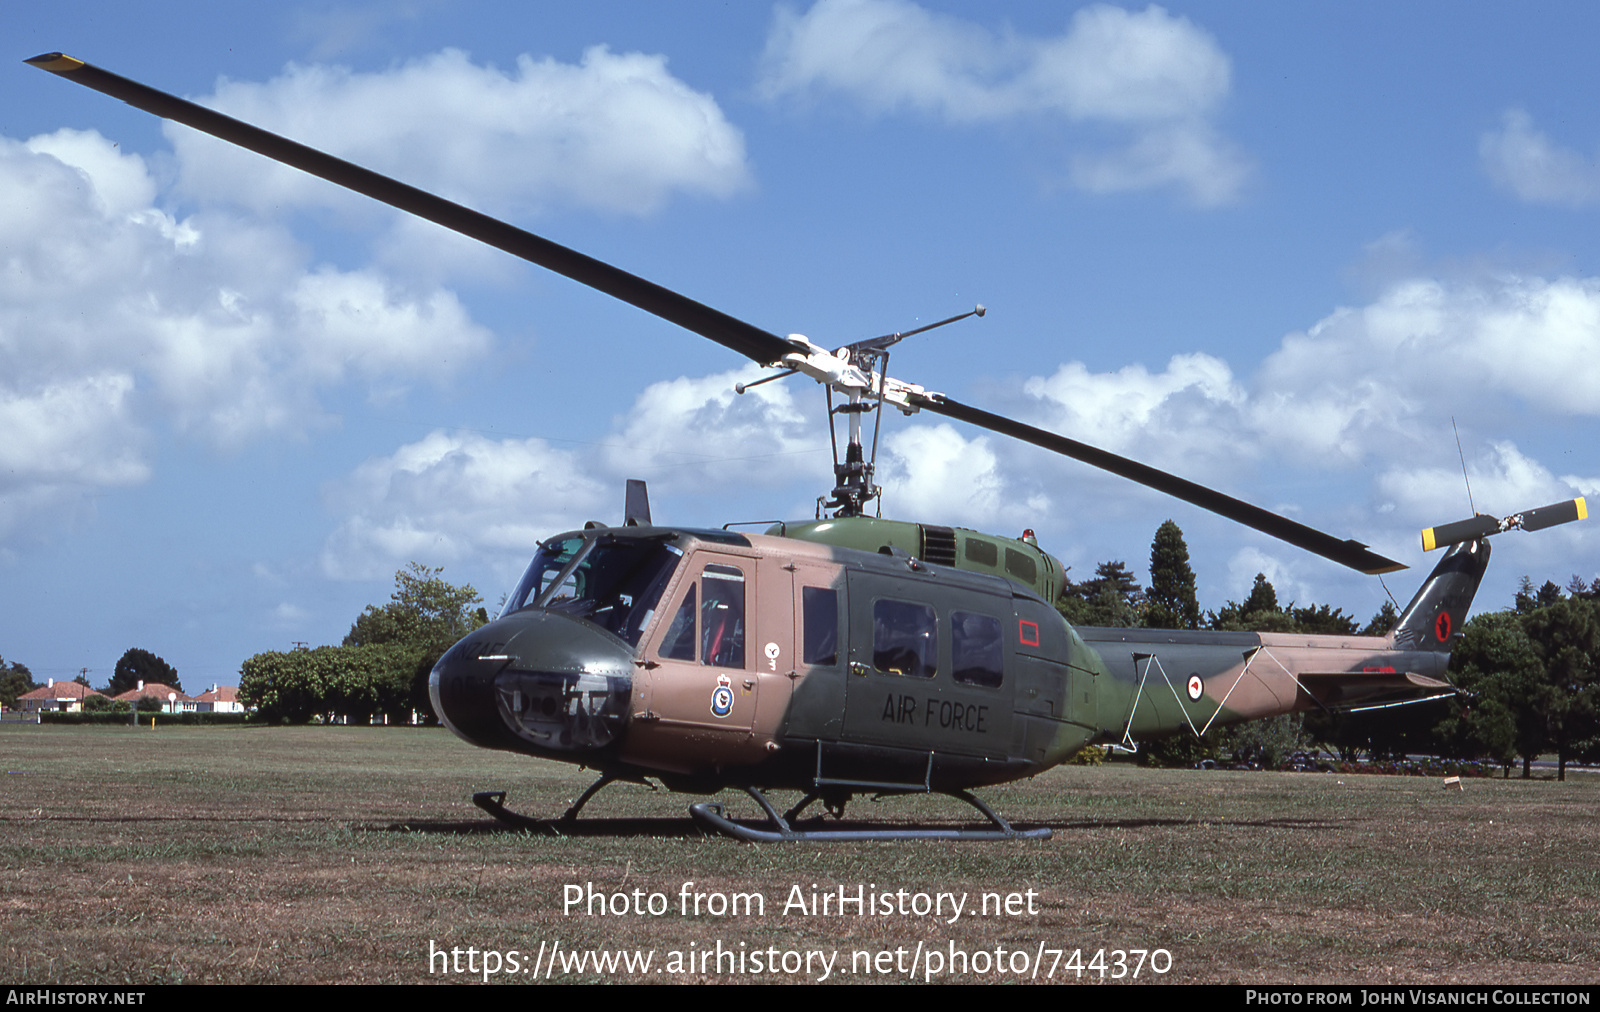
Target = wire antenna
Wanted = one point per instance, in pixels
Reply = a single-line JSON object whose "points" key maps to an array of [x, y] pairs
{"points": [[1460, 453]]}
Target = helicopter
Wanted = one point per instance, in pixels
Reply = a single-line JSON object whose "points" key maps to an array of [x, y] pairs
{"points": [[851, 654]]}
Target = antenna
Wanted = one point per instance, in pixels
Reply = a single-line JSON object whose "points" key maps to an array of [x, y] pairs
{"points": [[1463, 457]]}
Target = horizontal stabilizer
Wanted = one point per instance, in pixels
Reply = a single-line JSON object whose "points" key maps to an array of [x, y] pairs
{"points": [[1336, 689]]}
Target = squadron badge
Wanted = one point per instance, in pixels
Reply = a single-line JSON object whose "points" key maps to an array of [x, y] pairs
{"points": [[722, 697]]}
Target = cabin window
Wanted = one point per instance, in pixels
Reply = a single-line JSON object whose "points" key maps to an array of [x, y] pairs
{"points": [[716, 627], [820, 626], [722, 618], [609, 582], [552, 557], [976, 651], [678, 643], [905, 639]]}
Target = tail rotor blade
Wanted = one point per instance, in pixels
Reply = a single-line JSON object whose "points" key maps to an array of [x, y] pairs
{"points": [[1555, 514], [1480, 526]]}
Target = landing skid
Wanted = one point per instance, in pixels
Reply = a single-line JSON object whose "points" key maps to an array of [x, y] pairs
{"points": [[710, 814], [494, 802]]}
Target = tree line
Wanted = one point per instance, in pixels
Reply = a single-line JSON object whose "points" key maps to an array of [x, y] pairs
{"points": [[382, 666], [1113, 597]]}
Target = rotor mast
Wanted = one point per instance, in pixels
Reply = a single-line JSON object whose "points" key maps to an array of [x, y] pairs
{"points": [[860, 374]]}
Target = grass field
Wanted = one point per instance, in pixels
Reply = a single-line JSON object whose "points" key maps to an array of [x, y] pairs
{"points": [[308, 855]]}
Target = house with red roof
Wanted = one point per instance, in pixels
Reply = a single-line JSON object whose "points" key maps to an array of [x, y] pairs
{"points": [[172, 701], [219, 699], [68, 696]]}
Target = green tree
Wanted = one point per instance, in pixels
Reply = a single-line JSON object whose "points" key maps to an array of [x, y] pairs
{"points": [[1182, 750], [423, 609], [1528, 599], [1548, 594], [1320, 620], [425, 616], [1170, 601], [15, 680], [1496, 665], [383, 665], [1566, 637], [1268, 742], [1263, 596], [1385, 619], [1258, 613], [1523, 600], [283, 687], [139, 665], [1111, 598]]}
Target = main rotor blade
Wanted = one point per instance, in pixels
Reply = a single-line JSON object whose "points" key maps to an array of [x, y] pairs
{"points": [[744, 338], [1346, 553]]}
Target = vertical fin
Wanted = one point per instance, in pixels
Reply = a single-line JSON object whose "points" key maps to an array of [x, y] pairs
{"points": [[1434, 617]]}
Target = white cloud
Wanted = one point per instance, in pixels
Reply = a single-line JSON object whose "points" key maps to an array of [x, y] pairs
{"points": [[1131, 67], [1534, 340], [64, 441], [1502, 479], [696, 432], [116, 318], [1189, 155], [290, 615], [1529, 164], [455, 497], [1154, 77], [452, 497], [1287, 582], [1368, 391], [933, 472], [616, 132], [1134, 409]]}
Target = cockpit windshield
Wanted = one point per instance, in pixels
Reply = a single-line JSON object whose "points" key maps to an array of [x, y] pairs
{"points": [[611, 582]]}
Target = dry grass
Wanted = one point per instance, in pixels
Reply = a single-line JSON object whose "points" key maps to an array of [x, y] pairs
{"points": [[312, 855]]}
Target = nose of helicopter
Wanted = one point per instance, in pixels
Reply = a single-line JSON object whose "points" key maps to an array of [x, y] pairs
{"points": [[539, 682]]}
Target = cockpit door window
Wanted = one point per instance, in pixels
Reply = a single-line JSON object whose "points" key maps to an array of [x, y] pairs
{"points": [[710, 622]]}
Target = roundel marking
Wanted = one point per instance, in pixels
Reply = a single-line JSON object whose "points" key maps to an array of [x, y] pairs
{"points": [[1196, 686], [1441, 626], [722, 697]]}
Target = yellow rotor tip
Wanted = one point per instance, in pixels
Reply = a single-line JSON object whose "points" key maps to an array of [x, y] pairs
{"points": [[59, 63], [1583, 508], [1428, 544]]}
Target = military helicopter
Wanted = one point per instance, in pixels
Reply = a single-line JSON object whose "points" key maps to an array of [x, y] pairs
{"points": [[850, 654]]}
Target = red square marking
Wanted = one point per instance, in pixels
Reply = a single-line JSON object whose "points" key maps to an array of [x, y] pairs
{"points": [[1028, 632]]}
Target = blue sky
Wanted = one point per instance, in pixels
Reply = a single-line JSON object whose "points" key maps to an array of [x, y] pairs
{"points": [[1274, 248]]}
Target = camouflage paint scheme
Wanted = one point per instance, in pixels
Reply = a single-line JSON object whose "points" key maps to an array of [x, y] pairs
{"points": [[701, 704]]}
